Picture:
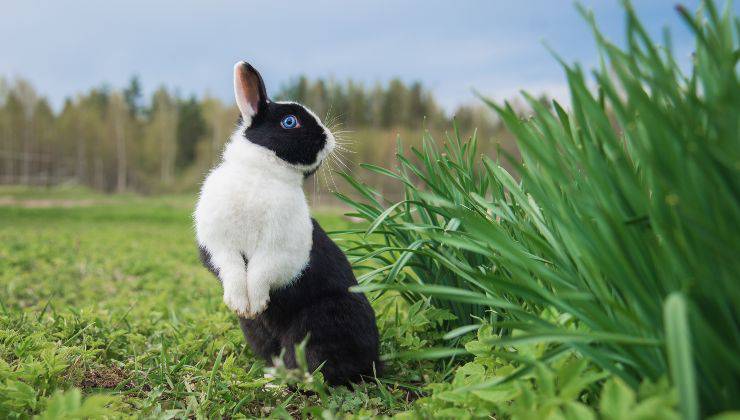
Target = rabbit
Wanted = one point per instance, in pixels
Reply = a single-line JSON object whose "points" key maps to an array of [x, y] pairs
{"points": [[280, 272]]}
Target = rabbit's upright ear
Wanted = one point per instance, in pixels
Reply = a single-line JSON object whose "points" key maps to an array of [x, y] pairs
{"points": [[249, 90]]}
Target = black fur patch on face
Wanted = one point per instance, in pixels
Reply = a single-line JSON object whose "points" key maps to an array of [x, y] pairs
{"points": [[298, 146]]}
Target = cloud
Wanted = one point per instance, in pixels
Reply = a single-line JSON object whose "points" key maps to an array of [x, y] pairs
{"points": [[492, 46]]}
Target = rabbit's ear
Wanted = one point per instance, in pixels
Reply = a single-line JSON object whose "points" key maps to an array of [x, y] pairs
{"points": [[249, 90]]}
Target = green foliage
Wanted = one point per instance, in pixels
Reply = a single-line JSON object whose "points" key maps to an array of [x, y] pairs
{"points": [[104, 306], [565, 387], [191, 129], [623, 223], [70, 405]]}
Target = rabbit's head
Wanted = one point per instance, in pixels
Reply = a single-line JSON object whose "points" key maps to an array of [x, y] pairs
{"points": [[288, 129]]}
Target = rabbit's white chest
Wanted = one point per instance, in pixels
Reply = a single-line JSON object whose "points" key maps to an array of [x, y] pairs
{"points": [[244, 211]]}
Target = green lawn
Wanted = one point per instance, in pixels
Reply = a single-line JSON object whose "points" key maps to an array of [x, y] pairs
{"points": [[109, 297]]}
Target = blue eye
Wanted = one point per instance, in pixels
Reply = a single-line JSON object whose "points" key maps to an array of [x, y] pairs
{"points": [[289, 122]]}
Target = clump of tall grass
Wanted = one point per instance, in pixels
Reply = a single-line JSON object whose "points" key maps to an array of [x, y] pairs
{"points": [[623, 227]]}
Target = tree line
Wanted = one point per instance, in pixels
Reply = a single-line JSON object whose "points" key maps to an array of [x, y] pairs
{"points": [[117, 140]]}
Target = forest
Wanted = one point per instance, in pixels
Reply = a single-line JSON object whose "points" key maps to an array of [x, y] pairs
{"points": [[116, 140]]}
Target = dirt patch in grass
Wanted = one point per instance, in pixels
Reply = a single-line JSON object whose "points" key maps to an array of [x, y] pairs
{"points": [[107, 377]]}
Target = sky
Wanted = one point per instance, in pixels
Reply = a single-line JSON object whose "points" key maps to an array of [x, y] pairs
{"points": [[496, 47]]}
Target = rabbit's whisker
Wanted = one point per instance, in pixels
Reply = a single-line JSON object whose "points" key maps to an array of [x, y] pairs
{"points": [[332, 180], [341, 154], [341, 162], [339, 149], [344, 141], [322, 170]]}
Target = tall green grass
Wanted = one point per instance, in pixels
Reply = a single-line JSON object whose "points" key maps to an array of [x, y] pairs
{"points": [[619, 241]]}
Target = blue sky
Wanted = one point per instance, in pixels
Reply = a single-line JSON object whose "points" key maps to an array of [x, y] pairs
{"points": [[494, 46]]}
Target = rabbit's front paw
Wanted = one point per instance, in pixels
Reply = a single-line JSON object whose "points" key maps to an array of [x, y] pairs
{"points": [[258, 299], [237, 300], [258, 306]]}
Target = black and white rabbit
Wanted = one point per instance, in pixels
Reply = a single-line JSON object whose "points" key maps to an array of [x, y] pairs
{"points": [[280, 272]]}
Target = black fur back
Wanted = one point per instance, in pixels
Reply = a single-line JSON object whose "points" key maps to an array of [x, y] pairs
{"points": [[341, 324]]}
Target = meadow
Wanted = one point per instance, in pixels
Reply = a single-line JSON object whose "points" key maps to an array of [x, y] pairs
{"points": [[105, 297]]}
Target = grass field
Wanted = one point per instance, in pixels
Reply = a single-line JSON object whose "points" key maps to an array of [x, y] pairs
{"points": [[105, 295]]}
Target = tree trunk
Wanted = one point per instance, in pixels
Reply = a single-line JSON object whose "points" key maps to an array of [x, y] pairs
{"points": [[216, 137], [99, 174], [9, 158], [26, 166], [81, 159], [169, 147], [120, 155], [164, 166]]}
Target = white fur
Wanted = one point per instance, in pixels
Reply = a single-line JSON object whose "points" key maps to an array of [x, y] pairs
{"points": [[252, 204]]}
